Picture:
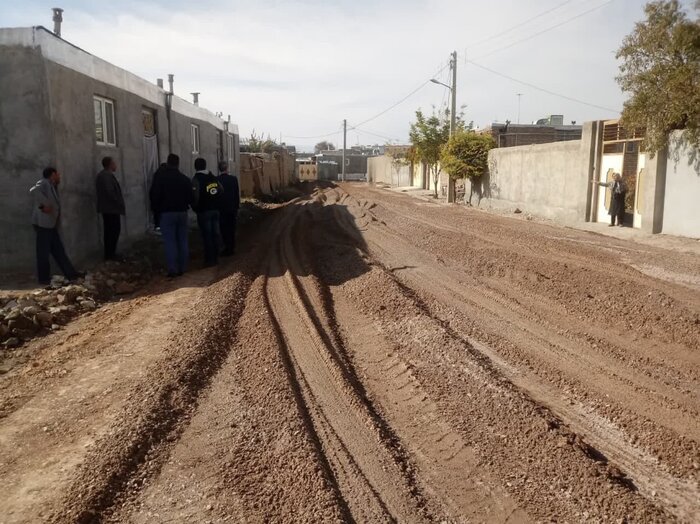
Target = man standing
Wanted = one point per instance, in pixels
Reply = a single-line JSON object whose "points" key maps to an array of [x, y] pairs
{"points": [[229, 209], [46, 215], [171, 196], [208, 195], [110, 203]]}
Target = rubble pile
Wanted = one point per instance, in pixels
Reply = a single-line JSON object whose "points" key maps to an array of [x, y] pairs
{"points": [[24, 316]]}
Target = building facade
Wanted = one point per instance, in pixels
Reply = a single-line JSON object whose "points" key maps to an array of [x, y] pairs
{"points": [[63, 107]]}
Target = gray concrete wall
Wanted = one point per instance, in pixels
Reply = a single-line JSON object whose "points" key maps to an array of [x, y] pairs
{"points": [[26, 148], [381, 170], [681, 209], [47, 118], [548, 180]]}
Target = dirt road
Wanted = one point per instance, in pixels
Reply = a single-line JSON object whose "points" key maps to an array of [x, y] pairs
{"points": [[371, 358]]}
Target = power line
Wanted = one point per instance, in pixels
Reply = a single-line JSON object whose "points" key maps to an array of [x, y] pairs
{"points": [[538, 88], [409, 95], [571, 19], [364, 131], [487, 39]]}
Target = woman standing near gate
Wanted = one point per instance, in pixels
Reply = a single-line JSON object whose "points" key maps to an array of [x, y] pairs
{"points": [[617, 200]]}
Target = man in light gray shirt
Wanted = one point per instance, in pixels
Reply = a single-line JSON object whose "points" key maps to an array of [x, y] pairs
{"points": [[46, 216]]}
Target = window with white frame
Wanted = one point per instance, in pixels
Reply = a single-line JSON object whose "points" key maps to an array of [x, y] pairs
{"points": [[195, 139], [105, 129]]}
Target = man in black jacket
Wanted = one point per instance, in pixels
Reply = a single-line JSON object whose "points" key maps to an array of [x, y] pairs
{"points": [[229, 209], [171, 196], [110, 203], [208, 195]]}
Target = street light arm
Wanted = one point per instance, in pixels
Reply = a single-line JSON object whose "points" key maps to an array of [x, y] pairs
{"points": [[440, 83]]}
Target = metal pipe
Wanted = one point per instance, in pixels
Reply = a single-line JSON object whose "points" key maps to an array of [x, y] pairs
{"points": [[57, 20]]}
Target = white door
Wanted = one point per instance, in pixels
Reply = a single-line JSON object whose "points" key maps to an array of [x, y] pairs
{"points": [[637, 194], [610, 164]]}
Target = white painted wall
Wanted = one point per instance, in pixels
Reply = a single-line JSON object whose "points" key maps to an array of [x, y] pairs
{"points": [[682, 196]]}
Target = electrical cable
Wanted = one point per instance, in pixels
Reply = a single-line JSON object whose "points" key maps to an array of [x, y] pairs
{"points": [[484, 40], [538, 88], [364, 131], [530, 37], [409, 95]]}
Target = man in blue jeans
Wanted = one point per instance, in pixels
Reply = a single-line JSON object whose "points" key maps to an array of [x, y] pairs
{"points": [[171, 196], [208, 195]]}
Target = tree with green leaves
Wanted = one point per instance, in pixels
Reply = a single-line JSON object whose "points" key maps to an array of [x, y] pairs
{"points": [[660, 71], [428, 135], [324, 145], [466, 155]]}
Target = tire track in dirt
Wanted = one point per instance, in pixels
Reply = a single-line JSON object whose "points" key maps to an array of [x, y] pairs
{"points": [[134, 449], [671, 402], [73, 391], [428, 282], [375, 485]]}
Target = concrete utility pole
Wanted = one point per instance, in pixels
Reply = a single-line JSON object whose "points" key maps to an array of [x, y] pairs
{"points": [[345, 138], [519, 97], [453, 121]]}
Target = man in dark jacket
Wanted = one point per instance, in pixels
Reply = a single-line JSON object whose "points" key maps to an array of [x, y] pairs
{"points": [[110, 203], [171, 196], [208, 195], [46, 217], [229, 209], [618, 194]]}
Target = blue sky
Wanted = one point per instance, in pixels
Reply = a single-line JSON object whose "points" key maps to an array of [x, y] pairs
{"points": [[297, 68]]}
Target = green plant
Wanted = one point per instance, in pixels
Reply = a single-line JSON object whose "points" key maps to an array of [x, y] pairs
{"points": [[465, 155], [428, 135]]}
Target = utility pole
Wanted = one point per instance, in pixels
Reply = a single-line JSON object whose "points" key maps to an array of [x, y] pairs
{"points": [[453, 120], [345, 138], [519, 96]]}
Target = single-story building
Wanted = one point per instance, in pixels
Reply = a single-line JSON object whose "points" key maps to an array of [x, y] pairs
{"points": [[61, 106]]}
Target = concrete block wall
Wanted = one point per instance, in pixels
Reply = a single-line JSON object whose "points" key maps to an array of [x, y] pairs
{"points": [[47, 118], [380, 170], [548, 180], [26, 147]]}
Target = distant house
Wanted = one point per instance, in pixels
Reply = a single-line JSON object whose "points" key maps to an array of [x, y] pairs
{"points": [[544, 131]]}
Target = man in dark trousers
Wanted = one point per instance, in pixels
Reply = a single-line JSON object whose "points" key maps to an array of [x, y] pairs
{"points": [[618, 190], [171, 196], [110, 203], [229, 209], [46, 216], [208, 195]]}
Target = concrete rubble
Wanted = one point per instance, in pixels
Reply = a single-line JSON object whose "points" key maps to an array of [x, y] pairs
{"points": [[29, 314]]}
